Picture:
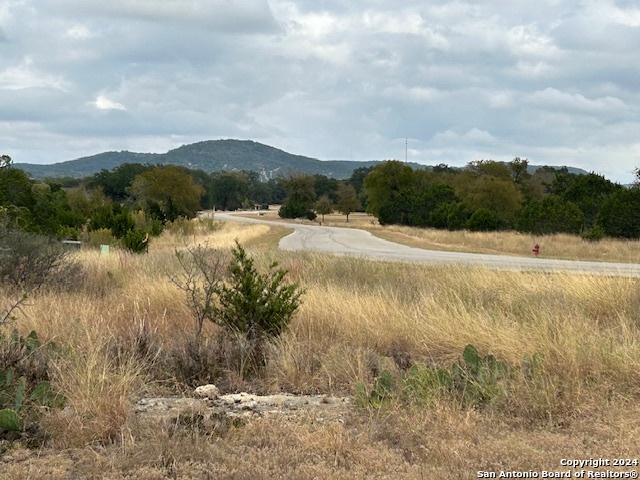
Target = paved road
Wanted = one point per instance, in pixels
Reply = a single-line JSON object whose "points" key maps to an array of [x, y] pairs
{"points": [[351, 241]]}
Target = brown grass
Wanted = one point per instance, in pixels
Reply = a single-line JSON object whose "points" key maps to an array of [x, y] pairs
{"points": [[355, 316]]}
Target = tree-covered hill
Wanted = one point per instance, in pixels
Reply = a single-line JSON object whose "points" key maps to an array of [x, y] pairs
{"points": [[210, 156]]}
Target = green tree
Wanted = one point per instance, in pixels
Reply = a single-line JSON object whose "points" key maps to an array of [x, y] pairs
{"points": [[115, 183], [498, 194], [170, 189], [619, 215], [324, 185], [550, 214], [324, 206], [385, 185], [301, 197], [519, 170], [490, 168], [347, 200], [456, 216], [483, 220], [51, 211], [357, 181], [588, 192], [15, 188], [229, 190], [427, 201]]}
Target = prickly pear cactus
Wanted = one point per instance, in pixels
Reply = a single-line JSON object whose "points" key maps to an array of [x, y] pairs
{"points": [[9, 420]]}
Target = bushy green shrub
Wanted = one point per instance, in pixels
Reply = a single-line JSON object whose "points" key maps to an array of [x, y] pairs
{"points": [[251, 307], [292, 209], [594, 234], [136, 241], [253, 303], [483, 220]]}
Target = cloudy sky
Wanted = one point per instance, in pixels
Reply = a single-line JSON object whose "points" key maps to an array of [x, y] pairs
{"points": [[553, 81]]}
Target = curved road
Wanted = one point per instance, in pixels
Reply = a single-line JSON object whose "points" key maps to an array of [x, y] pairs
{"points": [[351, 241]]}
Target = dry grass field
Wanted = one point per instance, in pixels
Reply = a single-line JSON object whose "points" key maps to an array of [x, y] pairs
{"points": [[374, 331]]}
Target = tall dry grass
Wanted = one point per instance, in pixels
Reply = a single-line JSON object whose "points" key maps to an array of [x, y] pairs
{"points": [[356, 317], [562, 246], [586, 328]]}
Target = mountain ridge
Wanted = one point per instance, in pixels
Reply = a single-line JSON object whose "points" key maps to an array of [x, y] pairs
{"points": [[210, 156]]}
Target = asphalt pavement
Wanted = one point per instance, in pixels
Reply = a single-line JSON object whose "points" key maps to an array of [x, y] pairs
{"points": [[361, 243]]}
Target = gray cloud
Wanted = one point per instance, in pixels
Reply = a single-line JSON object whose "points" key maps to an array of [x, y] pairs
{"points": [[555, 82], [228, 16]]}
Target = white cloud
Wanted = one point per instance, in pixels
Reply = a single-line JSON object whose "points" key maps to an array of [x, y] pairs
{"points": [[26, 75], [104, 103], [473, 136], [78, 32]]}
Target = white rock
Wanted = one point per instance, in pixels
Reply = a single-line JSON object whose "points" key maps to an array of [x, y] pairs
{"points": [[207, 391]]}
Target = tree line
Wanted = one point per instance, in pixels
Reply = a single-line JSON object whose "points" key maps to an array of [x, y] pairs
{"points": [[133, 202], [489, 195]]}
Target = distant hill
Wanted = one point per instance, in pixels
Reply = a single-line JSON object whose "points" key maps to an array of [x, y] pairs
{"points": [[210, 156], [85, 166], [213, 156]]}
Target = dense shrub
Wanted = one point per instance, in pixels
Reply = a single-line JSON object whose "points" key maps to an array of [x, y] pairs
{"points": [[251, 307], [551, 214], [293, 209], [619, 215], [483, 220], [136, 241], [256, 304]]}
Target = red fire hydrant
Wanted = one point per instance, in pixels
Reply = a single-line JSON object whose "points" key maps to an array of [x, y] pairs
{"points": [[536, 249]]}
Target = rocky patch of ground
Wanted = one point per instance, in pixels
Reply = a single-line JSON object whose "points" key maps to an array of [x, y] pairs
{"points": [[207, 403]]}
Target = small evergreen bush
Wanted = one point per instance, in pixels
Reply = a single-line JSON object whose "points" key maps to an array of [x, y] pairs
{"points": [[256, 304]]}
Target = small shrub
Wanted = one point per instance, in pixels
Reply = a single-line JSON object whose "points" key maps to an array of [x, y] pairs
{"points": [[29, 261], [594, 234], [296, 210], [425, 385], [148, 224], [255, 304], [136, 241], [208, 225], [252, 308], [202, 270]]}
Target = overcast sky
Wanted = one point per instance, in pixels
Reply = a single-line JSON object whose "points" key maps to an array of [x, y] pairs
{"points": [[553, 81]]}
